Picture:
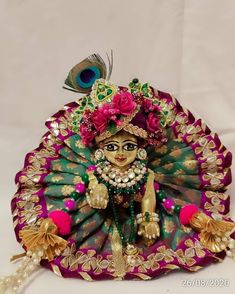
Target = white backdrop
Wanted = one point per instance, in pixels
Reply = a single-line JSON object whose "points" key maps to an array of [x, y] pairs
{"points": [[185, 47]]}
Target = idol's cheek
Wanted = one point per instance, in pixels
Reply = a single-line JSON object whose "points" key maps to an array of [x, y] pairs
{"points": [[110, 156], [131, 156]]}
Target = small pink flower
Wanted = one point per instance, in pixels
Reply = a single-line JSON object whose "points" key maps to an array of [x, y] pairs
{"points": [[109, 109], [148, 106], [118, 122], [156, 108], [87, 136], [153, 122], [124, 102], [100, 119]]}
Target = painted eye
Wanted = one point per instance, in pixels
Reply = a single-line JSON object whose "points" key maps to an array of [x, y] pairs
{"points": [[111, 147], [129, 147]]}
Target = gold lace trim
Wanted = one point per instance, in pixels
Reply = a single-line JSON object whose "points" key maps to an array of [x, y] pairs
{"points": [[135, 130]]}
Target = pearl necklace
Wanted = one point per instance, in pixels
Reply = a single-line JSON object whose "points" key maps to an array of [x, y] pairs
{"points": [[116, 178]]}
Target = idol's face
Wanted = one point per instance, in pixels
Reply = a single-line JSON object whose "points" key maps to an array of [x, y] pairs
{"points": [[120, 149]]}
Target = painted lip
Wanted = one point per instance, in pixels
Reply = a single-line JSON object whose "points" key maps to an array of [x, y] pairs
{"points": [[120, 159]]}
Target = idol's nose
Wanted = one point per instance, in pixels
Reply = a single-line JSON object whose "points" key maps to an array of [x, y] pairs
{"points": [[120, 151]]}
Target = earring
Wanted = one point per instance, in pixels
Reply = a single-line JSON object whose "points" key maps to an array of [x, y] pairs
{"points": [[99, 154], [141, 154]]}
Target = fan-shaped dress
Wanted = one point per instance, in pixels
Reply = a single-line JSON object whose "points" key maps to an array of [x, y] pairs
{"points": [[192, 167]]}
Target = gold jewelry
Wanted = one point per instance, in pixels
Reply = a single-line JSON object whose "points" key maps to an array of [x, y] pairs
{"points": [[131, 250], [214, 234], [147, 217], [148, 227], [118, 179], [99, 154], [141, 154]]}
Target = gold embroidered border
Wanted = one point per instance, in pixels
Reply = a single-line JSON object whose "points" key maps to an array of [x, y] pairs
{"points": [[135, 130], [72, 259]]}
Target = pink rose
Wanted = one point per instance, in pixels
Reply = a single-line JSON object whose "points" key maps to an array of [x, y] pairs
{"points": [[124, 102], [149, 106], [87, 136], [153, 122], [156, 107], [109, 109], [100, 120]]}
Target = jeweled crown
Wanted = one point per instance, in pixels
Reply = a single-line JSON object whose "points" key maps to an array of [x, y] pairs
{"points": [[107, 108]]}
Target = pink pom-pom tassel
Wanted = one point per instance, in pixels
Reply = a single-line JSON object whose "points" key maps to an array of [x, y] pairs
{"points": [[187, 212], [62, 220]]}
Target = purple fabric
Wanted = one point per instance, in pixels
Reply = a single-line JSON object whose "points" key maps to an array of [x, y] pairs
{"points": [[139, 120]]}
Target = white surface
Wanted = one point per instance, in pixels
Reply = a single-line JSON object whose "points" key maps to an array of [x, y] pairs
{"points": [[183, 47]]}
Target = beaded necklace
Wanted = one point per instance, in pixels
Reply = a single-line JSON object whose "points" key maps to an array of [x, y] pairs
{"points": [[118, 182], [117, 221], [129, 183]]}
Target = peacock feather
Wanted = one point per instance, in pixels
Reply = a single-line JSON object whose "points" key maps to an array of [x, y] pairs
{"points": [[84, 74]]}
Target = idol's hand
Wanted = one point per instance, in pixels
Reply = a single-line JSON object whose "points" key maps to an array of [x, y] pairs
{"points": [[97, 201], [97, 197], [149, 231]]}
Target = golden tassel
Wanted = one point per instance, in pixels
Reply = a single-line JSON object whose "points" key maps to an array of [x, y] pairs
{"points": [[41, 243], [214, 234], [43, 238]]}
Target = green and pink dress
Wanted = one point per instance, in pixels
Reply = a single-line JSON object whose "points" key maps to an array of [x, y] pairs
{"points": [[192, 166]]}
